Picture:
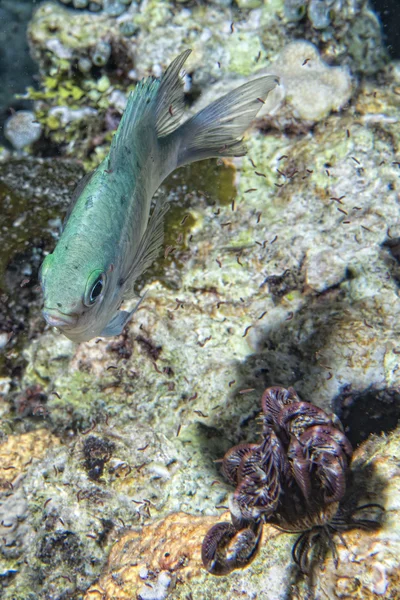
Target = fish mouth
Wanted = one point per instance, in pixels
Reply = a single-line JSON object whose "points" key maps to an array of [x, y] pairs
{"points": [[55, 318]]}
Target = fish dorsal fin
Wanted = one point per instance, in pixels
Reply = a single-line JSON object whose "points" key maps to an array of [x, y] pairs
{"points": [[149, 246], [170, 99], [75, 195], [155, 102], [139, 111]]}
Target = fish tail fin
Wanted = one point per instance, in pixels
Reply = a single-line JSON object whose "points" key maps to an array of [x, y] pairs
{"points": [[217, 130], [154, 111]]}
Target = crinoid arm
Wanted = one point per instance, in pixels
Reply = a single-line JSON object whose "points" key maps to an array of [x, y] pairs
{"points": [[225, 548], [295, 479]]}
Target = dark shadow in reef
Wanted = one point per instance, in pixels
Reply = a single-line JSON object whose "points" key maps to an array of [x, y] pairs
{"points": [[368, 411], [33, 196], [390, 254], [212, 444], [388, 12], [286, 355], [291, 354], [17, 69]]}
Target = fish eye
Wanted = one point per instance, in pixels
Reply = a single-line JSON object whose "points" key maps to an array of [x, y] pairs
{"points": [[94, 287], [96, 290]]}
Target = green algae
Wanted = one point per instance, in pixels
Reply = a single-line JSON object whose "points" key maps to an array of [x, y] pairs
{"points": [[34, 196], [245, 61], [155, 13], [14, 237], [75, 93]]}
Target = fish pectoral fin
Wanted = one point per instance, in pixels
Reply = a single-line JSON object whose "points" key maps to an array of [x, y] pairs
{"points": [[149, 246], [119, 321], [117, 324]]}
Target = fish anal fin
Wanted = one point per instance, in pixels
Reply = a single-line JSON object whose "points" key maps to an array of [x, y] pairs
{"points": [[149, 246]]}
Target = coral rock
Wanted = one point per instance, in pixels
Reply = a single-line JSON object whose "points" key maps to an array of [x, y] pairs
{"points": [[311, 88], [18, 451], [172, 544], [22, 129]]}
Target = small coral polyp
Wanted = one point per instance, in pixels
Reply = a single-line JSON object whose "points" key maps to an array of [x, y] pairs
{"points": [[294, 479]]}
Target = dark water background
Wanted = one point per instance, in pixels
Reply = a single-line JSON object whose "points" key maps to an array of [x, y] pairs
{"points": [[17, 69], [389, 14]]}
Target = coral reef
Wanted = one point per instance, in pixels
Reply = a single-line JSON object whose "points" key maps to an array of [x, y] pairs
{"points": [[18, 451], [22, 130], [91, 61], [310, 88], [279, 268], [259, 283], [346, 31], [365, 565], [170, 546], [112, 481]]}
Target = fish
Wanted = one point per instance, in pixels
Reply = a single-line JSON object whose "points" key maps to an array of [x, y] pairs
{"points": [[109, 237]]}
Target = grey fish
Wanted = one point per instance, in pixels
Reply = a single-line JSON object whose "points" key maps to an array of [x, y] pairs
{"points": [[109, 240]]}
